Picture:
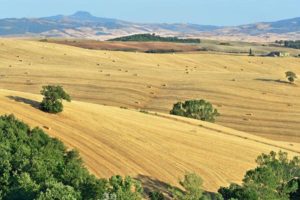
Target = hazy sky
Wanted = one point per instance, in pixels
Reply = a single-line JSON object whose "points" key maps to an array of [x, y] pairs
{"points": [[215, 12]]}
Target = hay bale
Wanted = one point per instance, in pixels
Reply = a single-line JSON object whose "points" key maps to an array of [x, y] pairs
{"points": [[47, 127]]}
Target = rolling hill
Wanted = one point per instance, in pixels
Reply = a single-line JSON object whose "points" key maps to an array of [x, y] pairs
{"points": [[84, 25], [155, 148], [250, 92]]}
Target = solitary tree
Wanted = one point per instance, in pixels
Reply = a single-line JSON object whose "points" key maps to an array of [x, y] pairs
{"points": [[53, 97], [197, 109], [291, 76], [251, 52]]}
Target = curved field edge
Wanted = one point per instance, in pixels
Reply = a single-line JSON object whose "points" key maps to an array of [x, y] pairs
{"points": [[250, 92], [161, 147]]}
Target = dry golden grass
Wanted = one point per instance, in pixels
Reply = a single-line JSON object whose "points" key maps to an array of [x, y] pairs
{"points": [[245, 89], [154, 148]]}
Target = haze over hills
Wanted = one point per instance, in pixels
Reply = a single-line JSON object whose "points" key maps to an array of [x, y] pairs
{"points": [[84, 25]]}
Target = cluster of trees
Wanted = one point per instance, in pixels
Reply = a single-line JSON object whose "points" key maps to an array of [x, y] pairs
{"points": [[154, 38], [196, 109], [162, 51], [275, 178], [35, 166], [290, 43]]}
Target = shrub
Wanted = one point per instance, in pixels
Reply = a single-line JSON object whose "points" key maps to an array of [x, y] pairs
{"points": [[291, 76], [53, 96], [192, 184], [197, 109], [156, 195]]}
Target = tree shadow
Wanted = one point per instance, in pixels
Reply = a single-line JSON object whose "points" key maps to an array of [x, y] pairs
{"points": [[151, 184], [33, 103], [272, 80]]}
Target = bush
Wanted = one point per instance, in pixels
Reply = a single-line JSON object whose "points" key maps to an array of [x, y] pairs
{"points": [[156, 195], [36, 166], [196, 109], [53, 96], [192, 184], [291, 76]]}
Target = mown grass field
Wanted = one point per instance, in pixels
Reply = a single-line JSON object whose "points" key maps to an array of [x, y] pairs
{"points": [[157, 149], [250, 92]]}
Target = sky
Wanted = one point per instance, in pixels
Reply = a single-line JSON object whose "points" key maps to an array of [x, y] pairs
{"points": [[208, 12]]}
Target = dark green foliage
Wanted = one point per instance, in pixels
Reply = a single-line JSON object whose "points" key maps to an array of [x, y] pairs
{"points": [[125, 189], [251, 52], [35, 166], [276, 178], [53, 96], [196, 109], [291, 44], [192, 184], [291, 76], [162, 51], [154, 38], [156, 195]]}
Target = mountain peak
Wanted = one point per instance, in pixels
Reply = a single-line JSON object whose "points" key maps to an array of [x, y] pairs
{"points": [[82, 14]]}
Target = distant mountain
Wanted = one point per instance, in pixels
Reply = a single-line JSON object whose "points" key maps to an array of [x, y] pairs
{"points": [[84, 25]]}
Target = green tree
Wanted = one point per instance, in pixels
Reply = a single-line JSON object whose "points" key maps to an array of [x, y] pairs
{"points": [[59, 191], [276, 178], [36, 166], [53, 97], [192, 184], [251, 52], [196, 109], [125, 189], [291, 76]]}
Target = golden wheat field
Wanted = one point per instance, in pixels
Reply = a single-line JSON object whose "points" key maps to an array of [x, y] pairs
{"points": [[156, 149], [109, 89], [250, 92]]}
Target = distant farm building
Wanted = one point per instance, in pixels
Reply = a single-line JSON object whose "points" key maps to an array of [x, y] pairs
{"points": [[279, 54]]}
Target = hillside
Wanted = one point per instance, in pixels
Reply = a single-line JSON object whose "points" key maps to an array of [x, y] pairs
{"points": [[84, 25], [155, 149], [246, 90]]}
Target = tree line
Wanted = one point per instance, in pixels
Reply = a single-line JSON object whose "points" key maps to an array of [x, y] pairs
{"points": [[295, 44], [154, 38]]}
